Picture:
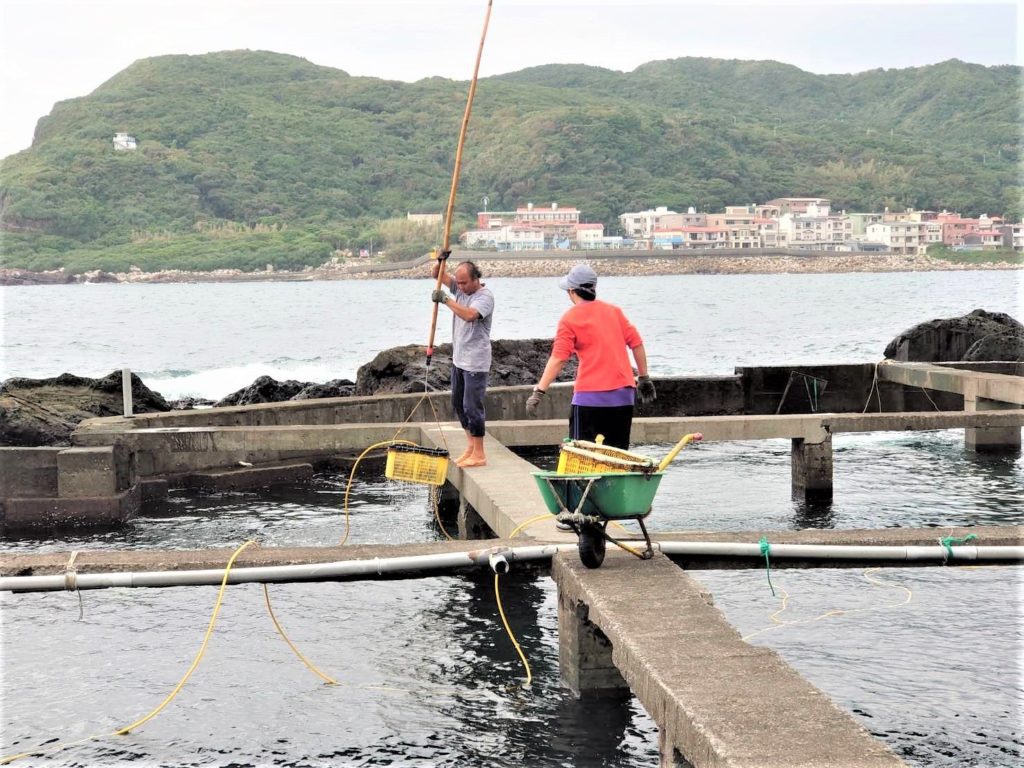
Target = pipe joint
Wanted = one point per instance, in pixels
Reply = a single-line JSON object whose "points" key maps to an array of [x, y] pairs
{"points": [[498, 563]]}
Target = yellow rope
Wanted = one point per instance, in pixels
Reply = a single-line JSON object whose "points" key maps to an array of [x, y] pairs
{"points": [[329, 680], [181, 683], [352, 475], [501, 611], [531, 521], [202, 648], [435, 500], [777, 622]]}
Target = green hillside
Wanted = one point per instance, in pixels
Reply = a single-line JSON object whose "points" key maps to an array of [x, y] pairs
{"points": [[249, 158]]}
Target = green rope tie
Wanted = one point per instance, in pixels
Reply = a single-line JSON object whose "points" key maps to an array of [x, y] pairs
{"points": [[767, 566], [949, 541], [812, 398]]}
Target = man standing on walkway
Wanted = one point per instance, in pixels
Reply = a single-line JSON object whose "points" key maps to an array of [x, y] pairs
{"points": [[472, 306]]}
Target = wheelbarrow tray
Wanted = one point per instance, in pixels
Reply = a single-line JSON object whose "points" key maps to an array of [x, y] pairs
{"points": [[612, 495]]}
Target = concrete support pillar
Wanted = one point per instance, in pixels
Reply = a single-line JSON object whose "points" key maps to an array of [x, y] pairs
{"points": [[448, 500], [94, 486], [585, 654], [95, 472], [990, 439], [471, 525], [812, 469], [669, 755]]}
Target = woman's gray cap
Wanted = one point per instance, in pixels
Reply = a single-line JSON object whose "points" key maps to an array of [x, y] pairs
{"points": [[579, 276]]}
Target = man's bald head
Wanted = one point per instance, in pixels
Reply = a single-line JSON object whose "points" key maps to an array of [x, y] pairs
{"points": [[467, 277]]}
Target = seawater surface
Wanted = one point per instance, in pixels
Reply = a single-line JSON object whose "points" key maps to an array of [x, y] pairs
{"points": [[210, 339], [427, 676]]}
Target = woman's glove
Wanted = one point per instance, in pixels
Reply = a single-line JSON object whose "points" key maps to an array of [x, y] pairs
{"points": [[533, 401], [645, 390]]}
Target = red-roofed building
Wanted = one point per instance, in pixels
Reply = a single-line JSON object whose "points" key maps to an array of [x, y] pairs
{"points": [[556, 222], [983, 239], [954, 227]]}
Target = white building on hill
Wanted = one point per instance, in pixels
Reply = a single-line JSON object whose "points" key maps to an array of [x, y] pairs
{"points": [[123, 142]]}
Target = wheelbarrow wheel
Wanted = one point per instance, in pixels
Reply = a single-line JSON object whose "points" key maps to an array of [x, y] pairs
{"points": [[592, 545]]}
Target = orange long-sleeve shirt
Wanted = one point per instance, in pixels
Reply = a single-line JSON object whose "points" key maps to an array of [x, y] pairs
{"points": [[599, 334]]}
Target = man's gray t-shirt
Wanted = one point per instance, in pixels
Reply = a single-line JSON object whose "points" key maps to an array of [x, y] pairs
{"points": [[471, 341]]}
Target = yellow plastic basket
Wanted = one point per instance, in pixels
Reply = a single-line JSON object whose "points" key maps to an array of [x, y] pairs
{"points": [[581, 457], [414, 464]]}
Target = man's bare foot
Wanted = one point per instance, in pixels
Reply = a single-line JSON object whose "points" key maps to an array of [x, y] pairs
{"points": [[465, 455], [472, 461]]}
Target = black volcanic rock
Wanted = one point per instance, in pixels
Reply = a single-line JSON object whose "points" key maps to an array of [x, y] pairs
{"points": [[265, 389], [1003, 345], [269, 390], [333, 388], [948, 339], [35, 412], [401, 370]]}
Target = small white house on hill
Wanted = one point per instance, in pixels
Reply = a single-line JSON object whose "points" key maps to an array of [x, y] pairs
{"points": [[123, 142]]}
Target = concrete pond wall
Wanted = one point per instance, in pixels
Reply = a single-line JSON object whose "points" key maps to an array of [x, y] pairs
{"points": [[116, 463]]}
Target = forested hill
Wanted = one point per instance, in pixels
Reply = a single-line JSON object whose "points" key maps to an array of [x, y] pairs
{"points": [[247, 158]]}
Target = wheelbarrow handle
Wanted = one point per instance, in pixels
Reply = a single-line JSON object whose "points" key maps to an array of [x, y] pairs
{"points": [[686, 440]]}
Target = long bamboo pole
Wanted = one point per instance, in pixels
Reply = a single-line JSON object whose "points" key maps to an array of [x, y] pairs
{"points": [[445, 252]]}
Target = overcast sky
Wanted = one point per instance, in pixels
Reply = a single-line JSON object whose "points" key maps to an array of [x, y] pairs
{"points": [[58, 49]]}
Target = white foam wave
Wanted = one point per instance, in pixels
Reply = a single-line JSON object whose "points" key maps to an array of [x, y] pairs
{"points": [[216, 383]]}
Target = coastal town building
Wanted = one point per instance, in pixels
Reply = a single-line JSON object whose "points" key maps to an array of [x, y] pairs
{"points": [[641, 225], [689, 219], [815, 229], [910, 238], [556, 222], [494, 219], [426, 219], [982, 240], [859, 223], [909, 214], [1013, 236], [768, 232], [511, 237], [796, 205], [591, 236], [954, 228], [802, 223], [739, 223], [690, 238]]}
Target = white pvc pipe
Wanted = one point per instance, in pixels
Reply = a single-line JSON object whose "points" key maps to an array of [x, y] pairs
{"points": [[282, 573], [495, 558], [843, 551]]}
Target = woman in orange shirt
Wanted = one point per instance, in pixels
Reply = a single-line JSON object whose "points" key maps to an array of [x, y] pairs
{"points": [[599, 334]]}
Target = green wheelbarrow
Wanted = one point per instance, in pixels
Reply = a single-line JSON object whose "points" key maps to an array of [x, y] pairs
{"points": [[588, 502]]}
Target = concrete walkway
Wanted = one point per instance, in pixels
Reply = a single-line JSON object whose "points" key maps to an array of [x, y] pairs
{"points": [[717, 700]]}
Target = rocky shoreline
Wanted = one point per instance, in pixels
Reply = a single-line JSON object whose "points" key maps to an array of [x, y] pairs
{"points": [[35, 412], [622, 263]]}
